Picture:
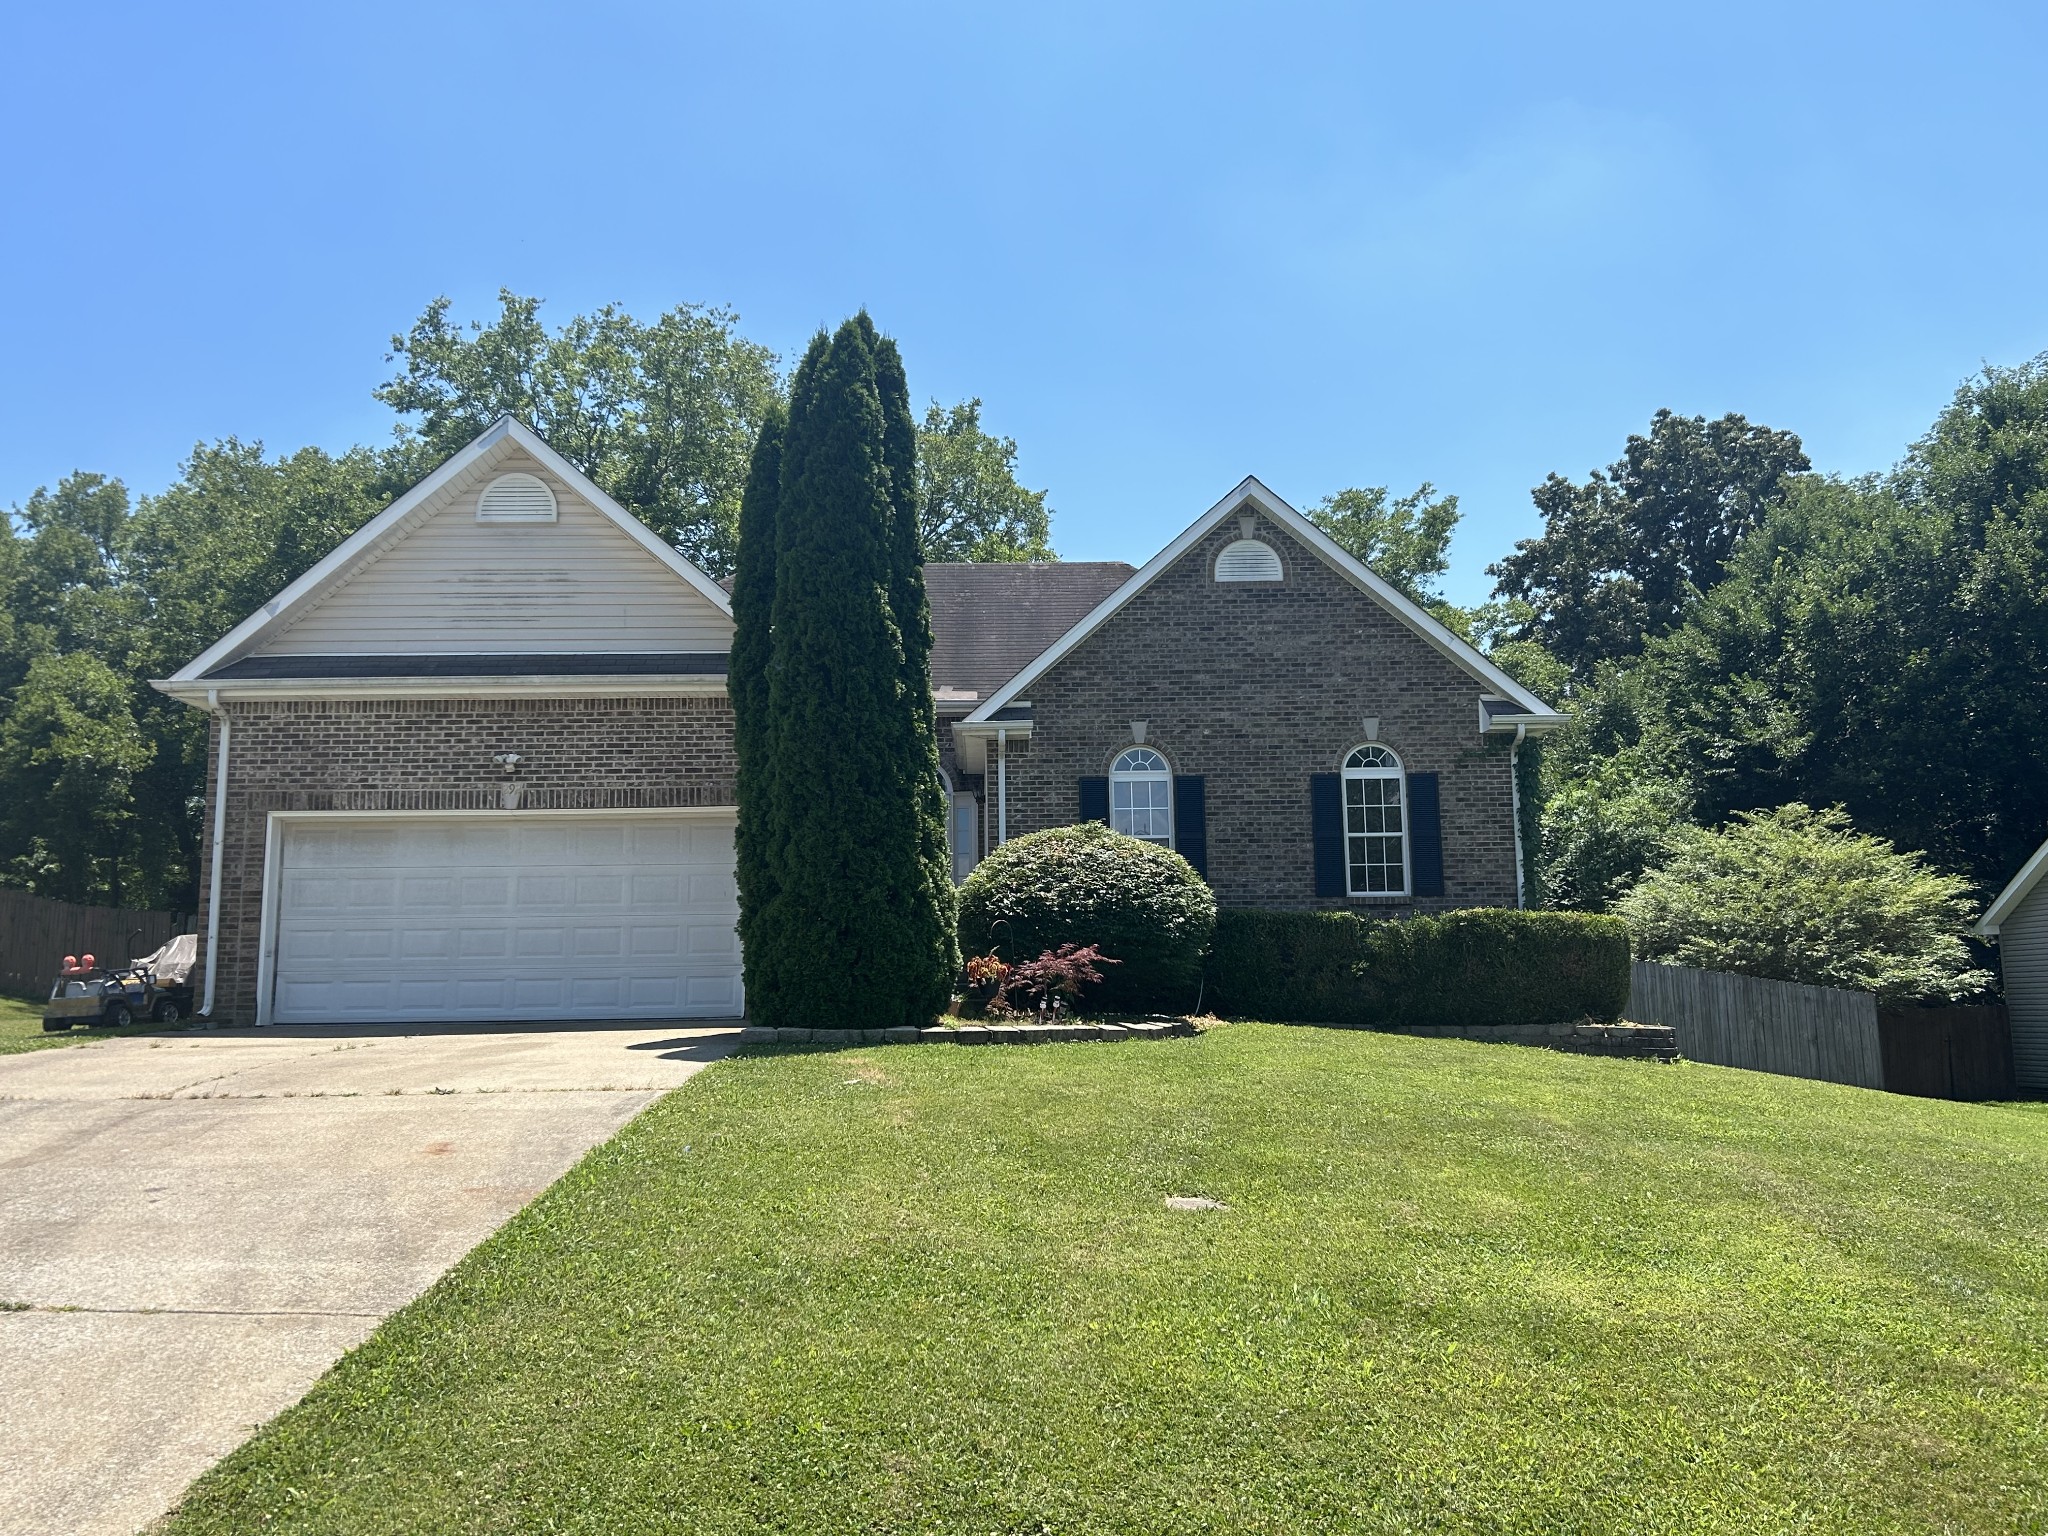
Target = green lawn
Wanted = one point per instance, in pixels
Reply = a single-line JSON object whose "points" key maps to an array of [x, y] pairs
{"points": [[1458, 1288], [21, 1029]]}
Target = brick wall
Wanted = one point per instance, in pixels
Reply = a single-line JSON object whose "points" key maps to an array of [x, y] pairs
{"points": [[436, 755], [1255, 686]]}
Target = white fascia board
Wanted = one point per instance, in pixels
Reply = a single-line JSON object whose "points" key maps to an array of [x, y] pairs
{"points": [[2016, 891], [204, 692], [366, 539], [1251, 491]]}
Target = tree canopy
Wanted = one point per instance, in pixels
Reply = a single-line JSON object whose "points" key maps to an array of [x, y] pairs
{"points": [[1625, 556], [1406, 539], [971, 504]]}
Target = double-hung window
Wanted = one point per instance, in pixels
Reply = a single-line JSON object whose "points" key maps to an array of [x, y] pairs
{"points": [[1375, 824], [1141, 796]]}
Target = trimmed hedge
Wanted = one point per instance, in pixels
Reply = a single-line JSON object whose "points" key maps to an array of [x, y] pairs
{"points": [[1143, 905], [1282, 966], [1482, 965]]}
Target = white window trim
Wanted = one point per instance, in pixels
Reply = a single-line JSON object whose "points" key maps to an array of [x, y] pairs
{"points": [[1148, 775], [1399, 773]]}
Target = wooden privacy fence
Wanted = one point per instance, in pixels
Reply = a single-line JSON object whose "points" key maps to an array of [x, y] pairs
{"points": [[36, 934], [1826, 1033]]}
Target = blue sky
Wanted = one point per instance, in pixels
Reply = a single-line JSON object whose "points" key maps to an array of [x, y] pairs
{"points": [[1168, 245]]}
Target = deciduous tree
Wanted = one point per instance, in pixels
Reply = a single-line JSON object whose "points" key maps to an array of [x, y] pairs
{"points": [[971, 506]]}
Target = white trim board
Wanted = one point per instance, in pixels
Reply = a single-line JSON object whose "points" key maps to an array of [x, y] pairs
{"points": [[273, 842], [367, 542], [2016, 891], [579, 686], [1251, 493]]}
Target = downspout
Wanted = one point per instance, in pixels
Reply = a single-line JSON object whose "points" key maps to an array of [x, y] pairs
{"points": [[1515, 802], [1002, 786], [220, 822]]}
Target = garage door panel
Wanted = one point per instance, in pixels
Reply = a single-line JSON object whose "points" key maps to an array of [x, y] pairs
{"points": [[434, 892], [664, 940], [711, 996], [714, 939], [605, 890], [531, 891], [475, 943], [657, 890], [597, 843], [533, 942], [502, 919], [481, 893], [587, 943]]}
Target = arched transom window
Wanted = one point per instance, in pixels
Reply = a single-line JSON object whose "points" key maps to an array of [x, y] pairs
{"points": [[1141, 795], [1375, 823]]}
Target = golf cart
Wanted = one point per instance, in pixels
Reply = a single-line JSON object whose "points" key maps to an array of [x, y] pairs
{"points": [[156, 987]]}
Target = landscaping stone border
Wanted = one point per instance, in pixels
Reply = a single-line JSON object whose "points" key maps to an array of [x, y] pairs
{"points": [[1644, 1042], [972, 1034]]}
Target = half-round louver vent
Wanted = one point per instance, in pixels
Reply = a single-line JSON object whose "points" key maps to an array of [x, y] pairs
{"points": [[516, 498], [1248, 560]]}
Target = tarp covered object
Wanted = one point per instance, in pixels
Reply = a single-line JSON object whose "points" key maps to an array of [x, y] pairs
{"points": [[174, 962]]}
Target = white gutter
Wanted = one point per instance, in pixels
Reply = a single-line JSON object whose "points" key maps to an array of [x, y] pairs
{"points": [[220, 822], [1002, 787], [1515, 804]]}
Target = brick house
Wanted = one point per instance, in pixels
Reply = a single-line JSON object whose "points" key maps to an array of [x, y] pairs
{"points": [[477, 763]]}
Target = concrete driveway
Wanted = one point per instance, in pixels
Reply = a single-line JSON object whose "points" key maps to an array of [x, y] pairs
{"points": [[194, 1226]]}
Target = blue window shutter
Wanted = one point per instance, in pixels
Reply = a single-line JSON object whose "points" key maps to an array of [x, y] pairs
{"points": [[1095, 799], [1191, 820], [1426, 835], [1326, 824]]}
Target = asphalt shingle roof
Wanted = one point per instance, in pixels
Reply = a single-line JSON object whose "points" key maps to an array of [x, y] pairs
{"points": [[991, 621]]}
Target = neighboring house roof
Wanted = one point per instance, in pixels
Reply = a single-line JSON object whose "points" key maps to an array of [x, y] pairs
{"points": [[2016, 891], [250, 654], [989, 621], [1512, 704]]}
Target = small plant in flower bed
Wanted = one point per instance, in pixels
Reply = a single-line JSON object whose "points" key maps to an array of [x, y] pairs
{"points": [[985, 975], [1052, 983], [1047, 987]]}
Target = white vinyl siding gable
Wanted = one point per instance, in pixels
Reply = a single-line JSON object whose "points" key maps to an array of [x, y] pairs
{"points": [[452, 585], [2023, 958]]}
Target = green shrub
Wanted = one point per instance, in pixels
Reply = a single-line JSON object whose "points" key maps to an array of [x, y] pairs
{"points": [[1483, 965], [1286, 966], [1494, 965], [1797, 894], [1140, 904]]}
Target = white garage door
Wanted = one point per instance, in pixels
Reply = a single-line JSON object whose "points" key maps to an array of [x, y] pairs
{"points": [[535, 916]]}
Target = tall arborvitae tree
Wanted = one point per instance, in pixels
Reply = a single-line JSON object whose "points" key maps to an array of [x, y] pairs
{"points": [[850, 935], [753, 604], [913, 615]]}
